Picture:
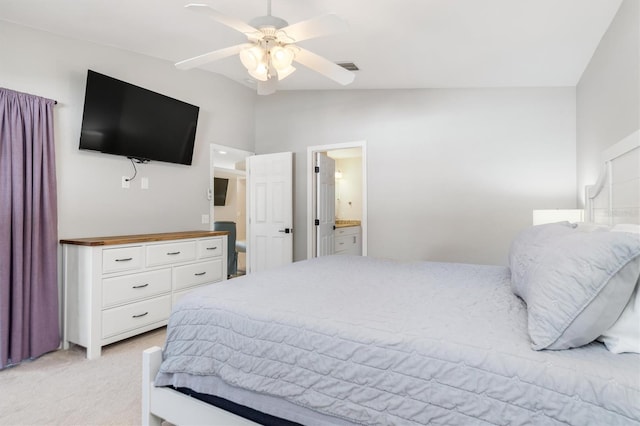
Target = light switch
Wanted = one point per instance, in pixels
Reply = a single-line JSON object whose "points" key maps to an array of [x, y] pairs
{"points": [[205, 218], [144, 183]]}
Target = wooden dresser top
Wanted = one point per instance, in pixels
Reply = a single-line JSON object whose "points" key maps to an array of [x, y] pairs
{"points": [[141, 238]]}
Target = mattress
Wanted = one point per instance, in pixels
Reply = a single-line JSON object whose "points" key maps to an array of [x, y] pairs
{"points": [[369, 341]]}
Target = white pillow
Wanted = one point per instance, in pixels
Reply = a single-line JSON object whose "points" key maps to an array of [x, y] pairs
{"points": [[525, 250], [624, 334], [578, 287], [591, 227], [627, 227]]}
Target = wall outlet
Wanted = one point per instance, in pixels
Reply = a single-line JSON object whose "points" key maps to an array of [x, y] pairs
{"points": [[144, 183], [125, 182], [205, 218]]}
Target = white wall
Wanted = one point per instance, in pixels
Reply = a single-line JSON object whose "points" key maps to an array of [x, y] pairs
{"points": [[453, 174], [91, 201], [608, 94]]}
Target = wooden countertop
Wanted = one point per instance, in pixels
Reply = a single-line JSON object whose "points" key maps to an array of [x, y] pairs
{"points": [[341, 223], [141, 238]]}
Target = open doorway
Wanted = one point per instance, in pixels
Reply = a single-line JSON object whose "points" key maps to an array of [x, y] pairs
{"points": [[228, 201], [350, 200]]}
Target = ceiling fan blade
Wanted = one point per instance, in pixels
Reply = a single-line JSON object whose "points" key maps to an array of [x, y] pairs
{"points": [[188, 64], [324, 66], [267, 87], [229, 21], [315, 27]]}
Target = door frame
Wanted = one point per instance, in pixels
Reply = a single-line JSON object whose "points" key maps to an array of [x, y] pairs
{"points": [[311, 199]]}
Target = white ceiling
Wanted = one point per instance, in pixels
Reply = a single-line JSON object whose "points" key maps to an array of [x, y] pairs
{"points": [[396, 44]]}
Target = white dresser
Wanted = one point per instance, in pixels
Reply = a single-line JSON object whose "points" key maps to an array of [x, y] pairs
{"points": [[117, 287], [348, 240]]}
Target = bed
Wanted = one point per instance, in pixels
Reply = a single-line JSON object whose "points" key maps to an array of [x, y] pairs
{"points": [[346, 340]]}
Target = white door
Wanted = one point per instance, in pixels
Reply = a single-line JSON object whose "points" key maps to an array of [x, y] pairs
{"points": [[270, 211], [325, 173]]}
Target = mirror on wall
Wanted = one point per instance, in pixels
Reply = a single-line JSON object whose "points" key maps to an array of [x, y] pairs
{"points": [[228, 206]]}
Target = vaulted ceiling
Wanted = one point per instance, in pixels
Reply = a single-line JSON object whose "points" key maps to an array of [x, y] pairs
{"points": [[396, 44]]}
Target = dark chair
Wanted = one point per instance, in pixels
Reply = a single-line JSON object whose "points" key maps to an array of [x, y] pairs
{"points": [[232, 259]]}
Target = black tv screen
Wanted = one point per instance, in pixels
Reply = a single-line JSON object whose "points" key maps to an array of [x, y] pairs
{"points": [[123, 119], [220, 191]]}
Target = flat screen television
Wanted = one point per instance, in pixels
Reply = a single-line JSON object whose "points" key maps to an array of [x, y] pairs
{"points": [[220, 191], [123, 119]]}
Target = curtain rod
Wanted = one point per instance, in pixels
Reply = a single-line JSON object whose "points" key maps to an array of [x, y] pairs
{"points": [[24, 93]]}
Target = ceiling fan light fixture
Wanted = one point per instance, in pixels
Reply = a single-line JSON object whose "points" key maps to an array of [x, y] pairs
{"points": [[284, 73], [268, 33], [251, 57], [255, 61], [261, 72], [282, 57]]}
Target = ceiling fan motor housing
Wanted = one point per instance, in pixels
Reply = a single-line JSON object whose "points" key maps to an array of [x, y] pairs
{"points": [[268, 21]]}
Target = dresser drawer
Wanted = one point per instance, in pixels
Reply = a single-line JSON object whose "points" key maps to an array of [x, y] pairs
{"points": [[211, 247], [199, 273], [134, 287], [121, 259], [163, 254], [135, 315]]}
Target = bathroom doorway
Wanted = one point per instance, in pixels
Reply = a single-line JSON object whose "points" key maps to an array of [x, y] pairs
{"points": [[350, 198]]}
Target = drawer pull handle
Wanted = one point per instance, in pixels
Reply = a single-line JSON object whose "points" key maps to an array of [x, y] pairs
{"points": [[173, 253], [199, 274], [126, 259], [140, 315], [141, 285], [212, 248]]}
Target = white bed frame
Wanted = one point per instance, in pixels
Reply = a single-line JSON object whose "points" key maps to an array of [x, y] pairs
{"points": [[160, 403], [615, 198]]}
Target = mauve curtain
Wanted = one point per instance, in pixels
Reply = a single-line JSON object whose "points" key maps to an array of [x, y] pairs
{"points": [[28, 228]]}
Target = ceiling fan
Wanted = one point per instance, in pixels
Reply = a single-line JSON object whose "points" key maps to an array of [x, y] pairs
{"points": [[270, 51]]}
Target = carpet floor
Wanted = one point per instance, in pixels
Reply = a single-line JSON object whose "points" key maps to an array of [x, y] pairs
{"points": [[65, 388]]}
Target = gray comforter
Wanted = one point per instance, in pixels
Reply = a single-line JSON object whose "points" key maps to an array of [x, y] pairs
{"points": [[381, 342]]}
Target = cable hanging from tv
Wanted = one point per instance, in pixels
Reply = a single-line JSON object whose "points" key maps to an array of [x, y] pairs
{"points": [[135, 160]]}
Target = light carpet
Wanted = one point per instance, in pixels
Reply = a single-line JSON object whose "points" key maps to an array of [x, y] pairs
{"points": [[65, 388]]}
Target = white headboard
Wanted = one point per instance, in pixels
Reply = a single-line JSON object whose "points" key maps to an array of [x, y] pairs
{"points": [[615, 198]]}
